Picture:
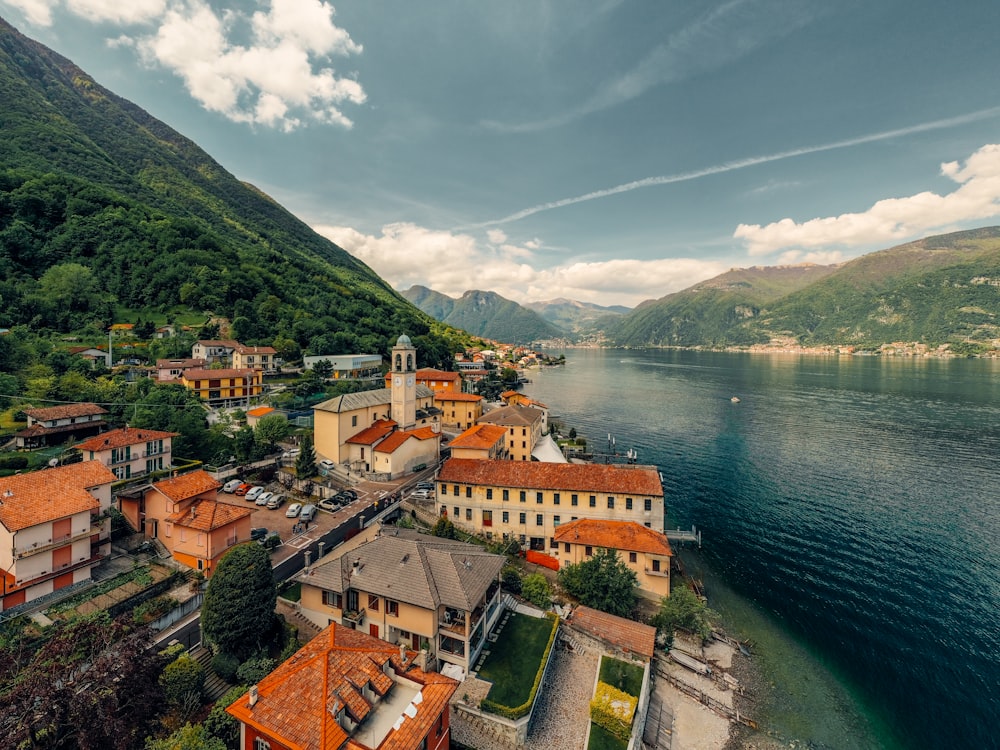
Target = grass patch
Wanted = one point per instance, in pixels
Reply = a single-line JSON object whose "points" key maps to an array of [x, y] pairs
{"points": [[602, 739], [293, 592], [515, 659], [623, 675]]}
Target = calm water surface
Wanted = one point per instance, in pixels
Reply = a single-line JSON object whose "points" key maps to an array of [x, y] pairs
{"points": [[851, 518]]}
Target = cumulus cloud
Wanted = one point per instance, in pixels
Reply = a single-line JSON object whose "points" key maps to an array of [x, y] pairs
{"points": [[453, 263], [892, 219], [280, 78]]}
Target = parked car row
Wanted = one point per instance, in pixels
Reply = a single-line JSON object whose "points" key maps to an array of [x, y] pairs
{"points": [[340, 500], [256, 493], [302, 512]]}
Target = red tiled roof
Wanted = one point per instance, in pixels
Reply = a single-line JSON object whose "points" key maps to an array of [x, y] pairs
{"points": [[123, 437], [187, 485], [201, 374], [373, 433], [452, 396], [627, 635], [610, 478], [208, 515], [297, 703], [480, 437], [425, 433], [625, 535], [256, 349], [429, 373], [227, 343], [260, 411], [65, 411], [514, 414], [41, 496]]}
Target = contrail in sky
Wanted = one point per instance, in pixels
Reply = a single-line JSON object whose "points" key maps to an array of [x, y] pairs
{"points": [[731, 166]]}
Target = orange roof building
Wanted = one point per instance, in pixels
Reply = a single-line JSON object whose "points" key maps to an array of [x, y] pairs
{"points": [[55, 424], [528, 500], [184, 513], [459, 410], [481, 441], [384, 449], [347, 690], [54, 528], [130, 452], [627, 637], [646, 552], [439, 381]]}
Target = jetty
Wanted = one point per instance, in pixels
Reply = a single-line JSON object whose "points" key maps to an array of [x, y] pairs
{"points": [[681, 535]]}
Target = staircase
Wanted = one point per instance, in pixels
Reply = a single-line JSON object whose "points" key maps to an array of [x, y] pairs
{"points": [[215, 686]]}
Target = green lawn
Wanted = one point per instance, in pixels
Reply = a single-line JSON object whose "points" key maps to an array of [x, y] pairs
{"points": [[515, 659], [602, 739], [623, 675]]}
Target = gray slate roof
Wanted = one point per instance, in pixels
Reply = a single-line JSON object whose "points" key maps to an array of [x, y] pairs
{"points": [[512, 415], [366, 399], [415, 568]]}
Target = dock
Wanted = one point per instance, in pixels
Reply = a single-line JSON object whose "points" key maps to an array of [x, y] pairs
{"points": [[680, 535]]}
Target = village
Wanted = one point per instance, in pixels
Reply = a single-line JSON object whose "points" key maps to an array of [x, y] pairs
{"points": [[425, 540]]}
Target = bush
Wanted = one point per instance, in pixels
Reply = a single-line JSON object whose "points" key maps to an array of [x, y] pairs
{"points": [[182, 678], [613, 710], [535, 588], [222, 725], [253, 671], [225, 665], [13, 463], [511, 579]]}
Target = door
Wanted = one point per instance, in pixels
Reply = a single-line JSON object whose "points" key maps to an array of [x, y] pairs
{"points": [[373, 629]]}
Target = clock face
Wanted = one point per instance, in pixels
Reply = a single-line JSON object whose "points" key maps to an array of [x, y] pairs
{"points": [[409, 380], [397, 380]]}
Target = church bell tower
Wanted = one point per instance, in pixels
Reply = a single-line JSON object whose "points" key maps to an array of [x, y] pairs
{"points": [[404, 383]]}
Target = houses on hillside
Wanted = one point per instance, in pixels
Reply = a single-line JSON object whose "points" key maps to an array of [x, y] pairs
{"points": [[130, 452], [56, 424]]}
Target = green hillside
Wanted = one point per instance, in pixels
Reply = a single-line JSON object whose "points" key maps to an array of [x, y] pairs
{"points": [[102, 207], [485, 314], [937, 290]]}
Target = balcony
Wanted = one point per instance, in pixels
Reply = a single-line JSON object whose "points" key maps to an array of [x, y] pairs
{"points": [[355, 617], [663, 573], [35, 547]]}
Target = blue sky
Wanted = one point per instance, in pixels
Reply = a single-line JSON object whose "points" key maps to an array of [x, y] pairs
{"points": [[607, 151]]}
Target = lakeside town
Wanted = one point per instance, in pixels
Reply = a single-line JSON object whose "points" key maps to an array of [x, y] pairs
{"points": [[416, 533]]}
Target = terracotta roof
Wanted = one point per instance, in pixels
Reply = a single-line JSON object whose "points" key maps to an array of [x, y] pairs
{"points": [[429, 373], [187, 485], [255, 349], [625, 535], [65, 411], [373, 433], [122, 326], [123, 437], [207, 515], [202, 374], [166, 364], [425, 433], [227, 343], [480, 437], [298, 702], [42, 496], [515, 414], [607, 478], [452, 396], [260, 411], [627, 635], [392, 443]]}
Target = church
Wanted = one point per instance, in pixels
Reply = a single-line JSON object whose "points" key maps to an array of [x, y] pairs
{"points": [[384, 433]]}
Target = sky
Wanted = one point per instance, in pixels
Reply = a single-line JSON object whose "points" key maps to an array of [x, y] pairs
{"points": [[600, 150]]}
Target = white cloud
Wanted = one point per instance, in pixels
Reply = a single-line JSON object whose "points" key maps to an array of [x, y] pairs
{"points": [[451, 263], [281, 79], [892, 219]]}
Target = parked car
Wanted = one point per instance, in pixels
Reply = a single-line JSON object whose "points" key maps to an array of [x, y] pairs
{"points": [[425, 485], [243, 489], [421, 494], [264, 498], [341, 499], [326, 464], [254, 492], [293, 510], [232, 485], [329, 503], [258, 534], [350, 494], [291, 453], [276, 502], [308, 512]]}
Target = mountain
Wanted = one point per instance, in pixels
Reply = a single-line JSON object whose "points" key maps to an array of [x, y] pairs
{"points": [[940, 289], [576, 317], [485, 314], [104, 208]]}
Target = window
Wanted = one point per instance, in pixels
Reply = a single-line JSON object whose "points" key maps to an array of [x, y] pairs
{"points": [[506, 495], [574, 500], [354, 421], [628, 503], [555, 520], [611, 503], [392, 608], [522, 517], [555, 498], [553, 543], [566, 547], [487, 518], [632, 557], [648, 525], [456, 512], [647, 504], [454, 490], [506, 517], [444, 510], [522, 538], [333, 599], [468, 491], [524, 444], [588, 551], [538, 498], [261, 744], [524, 496], [489, 493], [373, 602], [468, 514], [593, 501], [538, 519], [656, 566]]}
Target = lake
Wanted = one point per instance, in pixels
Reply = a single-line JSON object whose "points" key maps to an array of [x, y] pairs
{"points": [[851, 520]]}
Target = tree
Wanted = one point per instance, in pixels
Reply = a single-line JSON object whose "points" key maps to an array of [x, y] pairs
{"points": [[444, 528], [535, 588], [223, 725], [238, 613], [182, 679], [603, 582], [271, 429], [188, 737], [683, 609], [305, 463], [92, 684], [323, 368]]}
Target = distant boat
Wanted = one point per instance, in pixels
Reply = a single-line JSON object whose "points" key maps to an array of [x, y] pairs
{"points": [[735, 399]]}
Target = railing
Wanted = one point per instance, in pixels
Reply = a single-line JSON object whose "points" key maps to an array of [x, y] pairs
{"points": [[356, 617], [663, 573], [36, 547]]}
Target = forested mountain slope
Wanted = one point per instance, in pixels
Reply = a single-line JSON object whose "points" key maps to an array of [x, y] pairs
{"points": [[484, 314]]}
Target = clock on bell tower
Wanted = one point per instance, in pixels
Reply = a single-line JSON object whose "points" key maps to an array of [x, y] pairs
{"points": [[404, 383]]}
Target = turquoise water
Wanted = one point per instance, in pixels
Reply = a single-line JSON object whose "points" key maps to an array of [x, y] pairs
{"points": [[851, 516]]}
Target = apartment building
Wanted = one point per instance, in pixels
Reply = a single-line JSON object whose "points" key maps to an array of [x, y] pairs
{"points": [[130, 452], [523, 425]]}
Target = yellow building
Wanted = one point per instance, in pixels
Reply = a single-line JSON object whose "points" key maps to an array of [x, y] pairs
{"points": [[524, 428], [224, 387], [255, 357], [413, 589], [459, 410], [644, 551], [528, 501], [483, 441]]}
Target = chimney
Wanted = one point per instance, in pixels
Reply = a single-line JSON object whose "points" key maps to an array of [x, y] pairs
{"points": [[422, 660], [308, 556], [253, 696], [402, 653], [319, 554]]}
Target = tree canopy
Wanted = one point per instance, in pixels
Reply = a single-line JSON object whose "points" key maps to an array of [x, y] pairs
{"points": [[603, 582], [238, 613]]}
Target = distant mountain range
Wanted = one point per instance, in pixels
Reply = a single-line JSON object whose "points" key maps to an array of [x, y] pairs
{"points": [[942, 289], [578, 318], [485, 314]]}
